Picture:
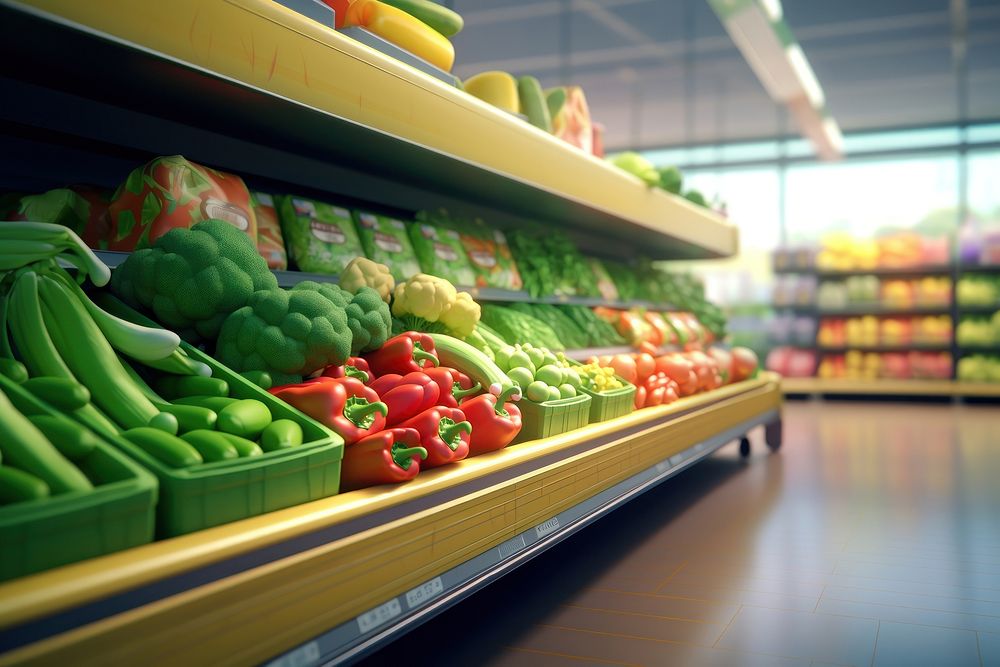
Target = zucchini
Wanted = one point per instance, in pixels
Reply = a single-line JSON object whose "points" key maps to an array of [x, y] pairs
{"points": [[461, 356], [165, 448], [17, 486]]}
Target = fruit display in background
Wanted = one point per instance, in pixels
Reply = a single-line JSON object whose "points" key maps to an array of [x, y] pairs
{"points": [[841, 252], [791, 362], [979, 368], [636, 165], [978, 290], [869, 331], [979, 331]]}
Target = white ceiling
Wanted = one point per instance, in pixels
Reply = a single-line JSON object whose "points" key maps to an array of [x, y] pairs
{"points": [[664, 72]]}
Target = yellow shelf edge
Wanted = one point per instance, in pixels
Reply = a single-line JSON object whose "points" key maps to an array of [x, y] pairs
{"points": [[890, 387], [263, 44]]}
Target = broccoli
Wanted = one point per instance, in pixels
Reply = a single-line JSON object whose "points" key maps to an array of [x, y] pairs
{"points": [[286, 333], [192, 279], [367, 314]]}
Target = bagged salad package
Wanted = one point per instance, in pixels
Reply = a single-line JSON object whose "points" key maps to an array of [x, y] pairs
{"points": [[440, 251], [386, 241], [320, 237], [490, 256]]}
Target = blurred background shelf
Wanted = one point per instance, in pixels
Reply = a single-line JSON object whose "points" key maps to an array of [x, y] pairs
{"points": [[811, 386]]}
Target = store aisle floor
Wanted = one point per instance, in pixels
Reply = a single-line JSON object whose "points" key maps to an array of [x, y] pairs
{"points": [[872, 538]]}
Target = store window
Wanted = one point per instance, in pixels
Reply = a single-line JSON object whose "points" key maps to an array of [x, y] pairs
{"points": [[872, 197]]}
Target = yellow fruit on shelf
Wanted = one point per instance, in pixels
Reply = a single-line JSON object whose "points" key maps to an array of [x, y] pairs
{"points": [[496, 88]]}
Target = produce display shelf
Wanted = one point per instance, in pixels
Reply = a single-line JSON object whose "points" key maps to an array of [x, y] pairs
{"points": [[585, 353], [979, 268], [965, 348], [292, 278], [913, 347], [786, 270], [890, 271], [980, 309], [860, 310], [253, 87], [819, 386], [329, 580], [800, 308]]}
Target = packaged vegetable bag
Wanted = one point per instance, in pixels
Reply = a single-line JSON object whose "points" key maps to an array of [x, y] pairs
{"points": [[440, 252], [82, 208], [385, 241], [320, 237], [270, 244], [170, 192], [490, 256]]}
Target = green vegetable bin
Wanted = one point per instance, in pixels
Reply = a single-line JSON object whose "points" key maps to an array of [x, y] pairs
{"points": [[117, 514], [214, 493], [605, 405], [541, 420]]}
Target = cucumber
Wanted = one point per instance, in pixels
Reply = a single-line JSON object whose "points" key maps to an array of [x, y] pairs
{"points": [[214, 403], [165, 448], [440, 18], [461, 356], [245, 418], [62, 393], [191, 417], [179, 386], [555, 100], [243, 446], [25, 447], [533, 103], [72, 440], [211, 445], [17, 486], [281, 434], [13, 369]]}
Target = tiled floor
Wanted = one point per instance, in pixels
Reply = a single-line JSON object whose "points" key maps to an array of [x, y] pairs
{"points": [[873, 538]]}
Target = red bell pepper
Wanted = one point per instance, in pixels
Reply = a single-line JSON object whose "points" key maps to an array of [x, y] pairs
{"points": [[494, 421], [444, 433], [454, 385], [356, 367], [640, 397], [406, 353], [345, 405], [386, 457], [406, 395]]}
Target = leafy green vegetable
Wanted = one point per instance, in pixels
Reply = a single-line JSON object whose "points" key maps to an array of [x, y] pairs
{"points": [[517, 327]]}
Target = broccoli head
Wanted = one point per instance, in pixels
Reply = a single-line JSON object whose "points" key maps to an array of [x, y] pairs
{"points": [[286, 333], [192, 279], [367, 314]]}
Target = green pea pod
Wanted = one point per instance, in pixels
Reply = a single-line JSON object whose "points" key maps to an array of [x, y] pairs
{"points": [[214, 403], [71, 439], [62, 393], [17, 486], [179, 386], [191, 417], [211, 445], [165, 448], [243, 446], [245, 418], [13, 369], [25, 447], [281, 434]]}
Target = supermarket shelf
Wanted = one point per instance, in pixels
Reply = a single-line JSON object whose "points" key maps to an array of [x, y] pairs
{"points": [[890, 271], [791, 270], [890, 387], [802, 309], [979, 268], [258, 89], [978, 349], [325, 581], [913, 347], [978, 309], [292, 278], [585, 353], [860, 310]]}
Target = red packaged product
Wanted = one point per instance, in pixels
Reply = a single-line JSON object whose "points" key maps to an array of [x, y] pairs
{"points": [[170, 192], [270, 243]]}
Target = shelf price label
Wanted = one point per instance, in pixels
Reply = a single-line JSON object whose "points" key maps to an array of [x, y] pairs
{"points": [[511, 547], [424, 593], [543, 529], [304, 656], [380, 615], [662, 466]]}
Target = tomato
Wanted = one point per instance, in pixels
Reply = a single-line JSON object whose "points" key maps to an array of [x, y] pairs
{"points": [[625, 366], [640, 397], [645, 364]]}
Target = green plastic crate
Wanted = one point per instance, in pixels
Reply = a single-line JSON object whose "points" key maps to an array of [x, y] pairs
{"points": [[214, 493], [117, 514], [541, 420], [607, 405]]}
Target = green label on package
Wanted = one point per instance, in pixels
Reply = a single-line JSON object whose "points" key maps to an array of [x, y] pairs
{"points": [[441, 253], [320, 237], [386, 241]]}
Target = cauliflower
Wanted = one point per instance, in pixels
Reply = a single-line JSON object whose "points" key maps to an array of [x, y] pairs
{"points": [[429, 304], [362, 272], [192, 279]]}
